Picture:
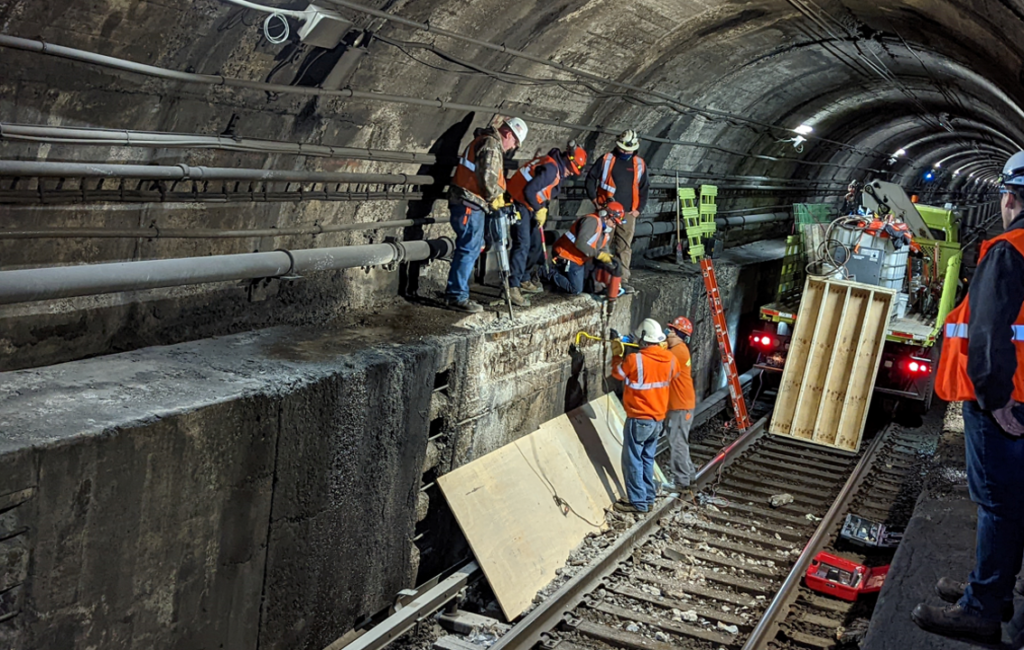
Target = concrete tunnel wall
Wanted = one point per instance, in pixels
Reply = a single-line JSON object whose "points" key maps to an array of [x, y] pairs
{"points": [[741, 72], [261, 490]]}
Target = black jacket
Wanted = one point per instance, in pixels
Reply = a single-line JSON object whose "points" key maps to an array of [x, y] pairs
{"points": [[622, 174], [996, 296]]}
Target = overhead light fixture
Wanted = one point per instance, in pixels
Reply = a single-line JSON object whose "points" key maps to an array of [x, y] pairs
{"points": [[804, 129], [938, 165], [900, 152]]}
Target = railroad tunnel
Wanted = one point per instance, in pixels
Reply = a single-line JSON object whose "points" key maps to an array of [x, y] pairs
{"points": [[239, 447]]}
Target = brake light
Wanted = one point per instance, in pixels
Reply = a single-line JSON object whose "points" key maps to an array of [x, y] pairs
{"points": [[766, 341], [914, 367]]}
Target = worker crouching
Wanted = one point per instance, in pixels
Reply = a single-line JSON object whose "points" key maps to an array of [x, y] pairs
{"points": [[532, 188], [647, 377], [584, 248], [477, 188]]}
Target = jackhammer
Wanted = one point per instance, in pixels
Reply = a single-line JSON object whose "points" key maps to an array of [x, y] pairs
{"points": [[498, 224]]}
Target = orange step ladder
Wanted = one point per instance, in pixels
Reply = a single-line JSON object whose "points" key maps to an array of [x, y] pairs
{"points": [[739, 404], [700, 223]]}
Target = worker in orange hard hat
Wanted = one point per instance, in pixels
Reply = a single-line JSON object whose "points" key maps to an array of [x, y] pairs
{"points": [[532, 188], [681, 402], [585, 246], [477, 187], [621, 175]]}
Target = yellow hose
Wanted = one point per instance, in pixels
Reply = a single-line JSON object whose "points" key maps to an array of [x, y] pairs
{"points": [[580, 334]]}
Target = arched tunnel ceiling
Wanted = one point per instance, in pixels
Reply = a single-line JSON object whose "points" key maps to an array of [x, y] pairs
{"points": [[869, 77]]}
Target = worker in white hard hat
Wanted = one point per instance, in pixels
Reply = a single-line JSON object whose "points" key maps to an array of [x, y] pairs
{"points": [[621, 175], [477, 187], [982, 366], [647, 378]]}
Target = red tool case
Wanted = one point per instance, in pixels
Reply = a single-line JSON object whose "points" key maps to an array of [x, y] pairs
{"points": [[843, 579]]}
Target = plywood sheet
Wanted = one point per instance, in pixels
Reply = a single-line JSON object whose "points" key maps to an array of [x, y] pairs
{"points": [[833, 362], [505, 502]]}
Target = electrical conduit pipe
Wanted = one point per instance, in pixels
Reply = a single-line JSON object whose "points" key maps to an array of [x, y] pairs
{"points": [[186, 172], [50, 283]]}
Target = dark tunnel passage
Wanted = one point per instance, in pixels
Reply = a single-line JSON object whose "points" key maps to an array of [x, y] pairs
{"points": [[187, 440]]}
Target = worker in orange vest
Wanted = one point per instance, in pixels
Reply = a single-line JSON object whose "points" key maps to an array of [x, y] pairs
{"points": [[477, 187], [585, 246], [982, 365], [681, 402], [532, 188], [621, 175], [647, 376]]}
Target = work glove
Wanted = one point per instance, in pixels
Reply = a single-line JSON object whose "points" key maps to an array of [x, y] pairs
{"points": [[1007, 420], [604, 257], [541, 216], [618, 349], [498, 203]]}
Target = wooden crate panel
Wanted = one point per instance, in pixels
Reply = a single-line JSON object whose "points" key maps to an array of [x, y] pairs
{"points": [[505, 501], [833, 360]]}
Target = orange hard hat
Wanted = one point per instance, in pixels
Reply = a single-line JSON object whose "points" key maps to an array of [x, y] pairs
{"points": [[613, 211], [577, 157], [683, 325]]}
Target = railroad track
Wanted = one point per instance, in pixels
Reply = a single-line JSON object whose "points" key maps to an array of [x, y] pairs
{"points": [[887, 494], [724, 570]]}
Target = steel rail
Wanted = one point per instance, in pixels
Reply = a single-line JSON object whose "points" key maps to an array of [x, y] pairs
{"points": [[767, 627], [412, 613], [547, 615]]}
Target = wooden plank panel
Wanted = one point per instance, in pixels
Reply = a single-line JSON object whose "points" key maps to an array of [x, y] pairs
{"points": [[505, 501], [826, 427], [796, 360], [865, 369], [822, 343]]}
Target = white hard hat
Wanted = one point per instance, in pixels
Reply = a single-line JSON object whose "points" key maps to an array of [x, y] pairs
{"points": [[1013, 170], [518, 128], [628, 141], [651, 331]]}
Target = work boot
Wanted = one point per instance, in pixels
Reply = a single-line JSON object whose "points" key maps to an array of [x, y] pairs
{"points": [[955, 621], [516, 297], [952, 591], [468, 306], [625, 288], [529, 287], [627, 507]]}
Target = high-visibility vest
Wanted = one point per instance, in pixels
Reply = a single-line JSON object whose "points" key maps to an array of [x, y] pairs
{"points": [[465, 172], [565, 247], [647, 376], [517, 184], [606, 186], [951, 381]]}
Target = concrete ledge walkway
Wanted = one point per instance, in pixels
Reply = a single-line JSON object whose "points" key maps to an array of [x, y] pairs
{"points": [[939, 541]]}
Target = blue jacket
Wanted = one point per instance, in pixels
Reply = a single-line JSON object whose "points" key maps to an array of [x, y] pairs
{"points": [[544, 176]]}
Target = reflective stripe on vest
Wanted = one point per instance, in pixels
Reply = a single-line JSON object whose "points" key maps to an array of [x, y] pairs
{"points": [[952, 381], [525, 174], [639, 383], [565, 248], [607, 184], [465, 175], [959, 331]]}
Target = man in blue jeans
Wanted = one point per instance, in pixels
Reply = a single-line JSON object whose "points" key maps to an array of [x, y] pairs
{"points": [[477, 188], [982, 365], [584, 246], [646, 377]]}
